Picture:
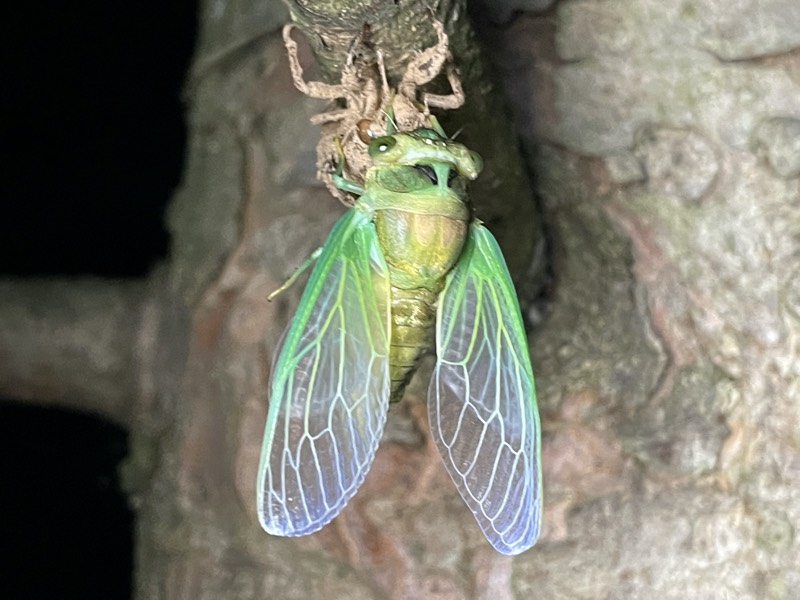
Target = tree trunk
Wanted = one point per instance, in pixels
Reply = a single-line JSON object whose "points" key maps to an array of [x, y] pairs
{"points": [[664, 142]]}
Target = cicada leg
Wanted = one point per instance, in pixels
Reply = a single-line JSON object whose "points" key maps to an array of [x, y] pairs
{"points": [[297, 272], [315, 89], [338, 178], [425, 66], [447, 101]]}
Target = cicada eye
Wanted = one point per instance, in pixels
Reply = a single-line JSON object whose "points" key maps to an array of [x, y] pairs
{"points": [[364, 133], [380, 145]]}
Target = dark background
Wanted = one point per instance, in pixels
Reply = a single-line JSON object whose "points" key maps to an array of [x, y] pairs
{"points": [[93, 144]]}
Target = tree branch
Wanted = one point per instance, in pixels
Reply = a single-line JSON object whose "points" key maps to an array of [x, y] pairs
{"points": [[72, 343]]}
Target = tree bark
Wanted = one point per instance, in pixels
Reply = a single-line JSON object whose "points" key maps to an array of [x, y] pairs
{"points": [[665, 146]]}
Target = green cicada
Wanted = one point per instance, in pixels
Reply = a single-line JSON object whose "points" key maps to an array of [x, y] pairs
{"points": [[405, 269]]}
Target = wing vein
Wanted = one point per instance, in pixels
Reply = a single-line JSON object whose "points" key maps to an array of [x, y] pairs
{"points": [[329, 387], [482, 401]]}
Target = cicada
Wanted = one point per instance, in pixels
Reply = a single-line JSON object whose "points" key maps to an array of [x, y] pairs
{"points": [[407, 268]]}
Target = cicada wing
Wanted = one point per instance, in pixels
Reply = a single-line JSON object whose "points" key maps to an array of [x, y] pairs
{"points": [[329, 389], [482, 401]]}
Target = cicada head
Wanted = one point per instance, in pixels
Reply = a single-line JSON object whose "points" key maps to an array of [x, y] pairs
{"points": [[424, 146]]}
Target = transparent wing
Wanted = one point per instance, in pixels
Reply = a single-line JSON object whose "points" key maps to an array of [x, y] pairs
{"points": [[482, 401], [329, 390]]}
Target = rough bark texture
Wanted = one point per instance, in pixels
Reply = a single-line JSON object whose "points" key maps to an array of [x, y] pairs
{"points": [[665, 142]]}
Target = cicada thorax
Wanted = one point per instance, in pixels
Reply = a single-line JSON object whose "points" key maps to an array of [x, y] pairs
{"points": [[416, 190], [420, 250]]}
